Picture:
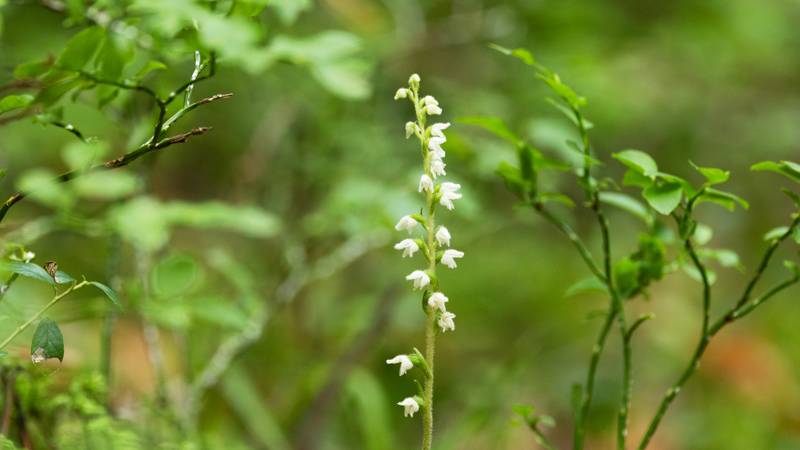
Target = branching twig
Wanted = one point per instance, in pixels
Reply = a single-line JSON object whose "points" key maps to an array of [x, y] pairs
{"points": [[740, 309]]}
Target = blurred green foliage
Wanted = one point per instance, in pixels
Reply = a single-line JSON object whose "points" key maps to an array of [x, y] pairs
{"points": [[278, 217]]}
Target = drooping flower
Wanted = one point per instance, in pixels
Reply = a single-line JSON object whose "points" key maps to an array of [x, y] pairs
{"points": [[435, 146], [443, 236], [425, 183], [410, 406], [411, 128], [437, 301], [401, 93], [437, 167], [438, 128], [449, 192], [449, 257], [429, 100], [406, 223], [446, 321], [404, 361], [408, 246], [433, 110], [420, 279]]}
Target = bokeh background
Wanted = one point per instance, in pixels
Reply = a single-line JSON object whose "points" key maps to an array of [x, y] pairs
{"points": [[324, 157]]}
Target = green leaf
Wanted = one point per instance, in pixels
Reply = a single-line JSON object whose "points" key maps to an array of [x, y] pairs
{"points": [[32, 69], [109, 293], [664, 197], [174, 275], [786, 168], [47, 342], [12, 102], [626, 203], [725, 257], [109, 62], [150, 66], [634, 178], [639, 161], [775, 233], [29, 270], [288, 10], [551, 197], [494, 125], [713, 175], [520, 53], [81, 49], [722, 198], [586, 286]]}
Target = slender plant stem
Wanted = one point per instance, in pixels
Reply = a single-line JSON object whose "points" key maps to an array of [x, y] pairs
{"points": [[430, 313], [740, 309], [39, 313]]}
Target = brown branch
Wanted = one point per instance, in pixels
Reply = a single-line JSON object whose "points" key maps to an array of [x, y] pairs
{"points": [[122, 161]]}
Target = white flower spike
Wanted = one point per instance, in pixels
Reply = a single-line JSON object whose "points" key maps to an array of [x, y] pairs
{"points": [[446, 321], [404, 361], [425, 183], [438, 128], [437, 300], [408, 246], [401, 93], [419, 278], [449, 258], [449, 192], [406, 223], [443, 236], [410, 406]]}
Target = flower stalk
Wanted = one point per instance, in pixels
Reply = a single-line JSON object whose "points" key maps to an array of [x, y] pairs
{"points": [[434, 301]]}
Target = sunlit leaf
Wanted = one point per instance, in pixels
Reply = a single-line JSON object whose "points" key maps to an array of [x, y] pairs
{"points": [[664, 197], [639, 161]]}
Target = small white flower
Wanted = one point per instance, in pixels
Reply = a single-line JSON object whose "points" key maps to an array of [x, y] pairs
{"points": [[435, 146], [443, 236], [449, 192], [420, 279], [433, 110], [406, 223], [428, 100], [437, 167], [449, 257], [28, 256], [410, 406], [38, 356], [414, 79], [408, 246], [404, 361], [411, 128], [446, 321], [401, 93], [437, 301], [425, 183], [438, 128]]}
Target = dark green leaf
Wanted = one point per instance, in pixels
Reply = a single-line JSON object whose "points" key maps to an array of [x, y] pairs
{"points": [[47, 342], [109, 293], [109, 63], [81, 49], [664, 197]]}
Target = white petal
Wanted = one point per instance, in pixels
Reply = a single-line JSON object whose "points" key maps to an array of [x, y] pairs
{"points": [[401, 93], [443, 236]]}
